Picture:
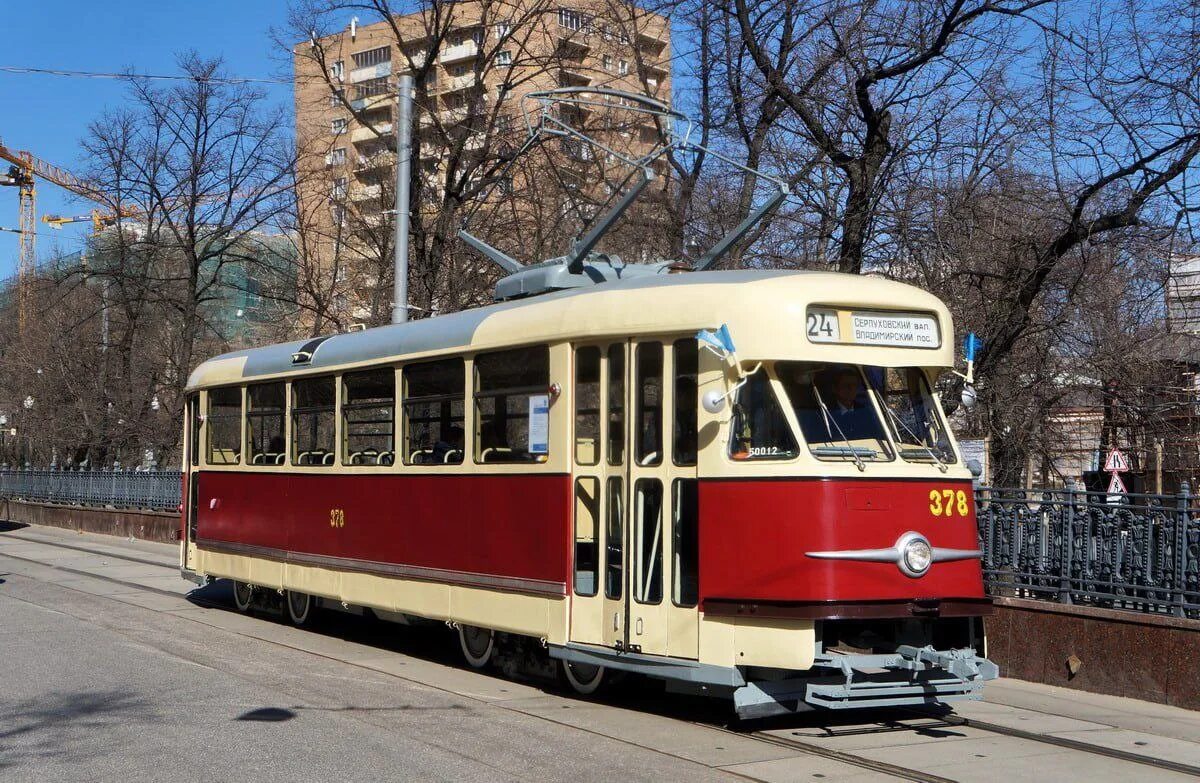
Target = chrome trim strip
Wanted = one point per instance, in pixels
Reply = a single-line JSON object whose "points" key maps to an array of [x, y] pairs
{"points": [[424, 573], [940, 555]]}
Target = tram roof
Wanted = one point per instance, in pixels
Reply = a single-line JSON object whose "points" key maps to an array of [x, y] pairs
{"points": [[765, 310]]}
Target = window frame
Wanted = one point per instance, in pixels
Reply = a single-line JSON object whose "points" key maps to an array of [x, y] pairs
{"points": [[405, 399], [250, 415], [478, 393], [343, 424], [295, 410], [208, 430]]}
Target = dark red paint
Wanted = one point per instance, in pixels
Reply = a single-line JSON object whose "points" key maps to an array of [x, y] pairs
{"points": [[754, 536], [510, 526]]}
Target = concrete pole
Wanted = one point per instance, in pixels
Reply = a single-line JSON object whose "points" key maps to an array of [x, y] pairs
{"points": [[403, 169]]}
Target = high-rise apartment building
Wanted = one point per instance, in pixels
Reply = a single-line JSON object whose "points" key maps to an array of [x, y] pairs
{"points": [[474, 62]]}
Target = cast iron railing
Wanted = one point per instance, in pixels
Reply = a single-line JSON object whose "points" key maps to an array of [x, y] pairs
{"points": [[152, 490], [1140, 554]]}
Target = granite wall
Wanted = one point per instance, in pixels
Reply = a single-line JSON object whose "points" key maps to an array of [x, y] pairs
{"points": [[150, 525], [1149, 657]]}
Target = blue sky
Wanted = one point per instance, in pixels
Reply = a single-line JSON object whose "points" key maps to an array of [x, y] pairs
{"points": [[48, 115]]}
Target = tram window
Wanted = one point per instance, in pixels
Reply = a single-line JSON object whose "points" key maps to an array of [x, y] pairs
{"points": [[368, 427], [510, 389], [837, 418], [264, 423], [616, 404], [911, 413], [759, 430], [685, 532], [649, 403], [434, 395], [614, 543], [647, 537], [225, 426], [686, 354], [587, 405], [587, 518], [193, 406], [313, 421]]}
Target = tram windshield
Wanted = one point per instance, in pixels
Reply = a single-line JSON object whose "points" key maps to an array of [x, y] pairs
{"points": [[911, 413], [834, 409]]}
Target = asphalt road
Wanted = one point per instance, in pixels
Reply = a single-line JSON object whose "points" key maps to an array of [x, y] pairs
{"points": [[109, 671]]}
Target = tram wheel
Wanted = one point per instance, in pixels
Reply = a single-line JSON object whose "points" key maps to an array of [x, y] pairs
{"points": [[477, 644], [299, 607], [243, 594], [584, 678]]}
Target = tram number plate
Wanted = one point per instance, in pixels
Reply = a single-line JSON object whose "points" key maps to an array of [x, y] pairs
{"points": [[823, 326], [948, 503]]}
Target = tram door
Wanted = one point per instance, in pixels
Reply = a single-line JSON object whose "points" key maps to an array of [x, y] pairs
{"points": [[191, 461], [634, 574]]}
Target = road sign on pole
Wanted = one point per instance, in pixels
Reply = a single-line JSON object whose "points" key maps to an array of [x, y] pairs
{"points": [[1117, 462]]}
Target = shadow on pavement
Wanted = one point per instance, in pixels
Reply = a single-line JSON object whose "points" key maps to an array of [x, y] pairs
{"points": [[49, 727], [7, 526]]}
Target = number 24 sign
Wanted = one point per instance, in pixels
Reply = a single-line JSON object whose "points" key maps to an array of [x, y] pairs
{"points": [[948, 502]]}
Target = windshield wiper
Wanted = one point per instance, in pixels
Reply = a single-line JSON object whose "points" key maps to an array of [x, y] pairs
{"points": [[830, 420], [920, 443]]}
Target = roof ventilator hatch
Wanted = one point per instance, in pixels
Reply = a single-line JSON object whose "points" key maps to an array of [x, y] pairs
{"points": [[581, 266]]}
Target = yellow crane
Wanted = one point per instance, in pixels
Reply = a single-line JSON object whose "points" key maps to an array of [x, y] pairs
{"points": [[23, 172]]}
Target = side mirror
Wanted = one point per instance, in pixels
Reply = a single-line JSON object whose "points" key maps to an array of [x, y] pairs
{"points": [[969, 396], [975, 468], [713, 401]]}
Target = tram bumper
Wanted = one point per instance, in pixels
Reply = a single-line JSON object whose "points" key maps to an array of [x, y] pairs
{"points": [[910, 676]]}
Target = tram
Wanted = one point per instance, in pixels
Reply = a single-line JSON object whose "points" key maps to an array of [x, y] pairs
{"points": [[738, 482]]}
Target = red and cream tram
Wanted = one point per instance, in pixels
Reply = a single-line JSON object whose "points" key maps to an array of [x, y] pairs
{"points": [[738, 482]]}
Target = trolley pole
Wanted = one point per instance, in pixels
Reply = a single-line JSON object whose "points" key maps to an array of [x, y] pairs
{"points": [[403, 169]]}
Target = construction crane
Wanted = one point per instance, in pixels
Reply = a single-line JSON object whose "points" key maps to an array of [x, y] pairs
{"points": [[23, 172]]}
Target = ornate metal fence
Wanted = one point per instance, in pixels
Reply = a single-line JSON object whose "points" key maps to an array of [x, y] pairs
{"points": [[154, 490], [1071, 546]]}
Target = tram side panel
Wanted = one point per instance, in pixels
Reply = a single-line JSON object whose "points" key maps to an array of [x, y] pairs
{"points": [[755, 536], [494, 542]]}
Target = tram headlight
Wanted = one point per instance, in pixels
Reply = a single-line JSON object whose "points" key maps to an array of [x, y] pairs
{"points": [[916, 556]]}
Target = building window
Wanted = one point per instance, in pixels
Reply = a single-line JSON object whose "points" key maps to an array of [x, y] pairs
{"points": [[264, 423], [371, 87], [368, 427], [337, 71], [572, 19], [503, 29], [372, 57], [504, 57], [224, 422], [513, 405], [338, 125], [338, 192], [313, 421], [336, 97], [434, 396], [608, 62], [337, 156], [623, 68]]}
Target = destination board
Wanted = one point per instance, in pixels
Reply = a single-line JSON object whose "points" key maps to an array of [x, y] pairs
{"points": [[868, 327]]}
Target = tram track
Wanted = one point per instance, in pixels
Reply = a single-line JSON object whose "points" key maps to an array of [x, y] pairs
{"points": [[789, 743]]}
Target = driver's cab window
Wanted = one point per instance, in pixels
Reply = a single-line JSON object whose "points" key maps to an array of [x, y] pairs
{"points": [[837, 417], [759, 428], [911, 413]]}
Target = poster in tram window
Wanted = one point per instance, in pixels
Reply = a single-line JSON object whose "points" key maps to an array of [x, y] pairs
{"points": [[539, 424]]}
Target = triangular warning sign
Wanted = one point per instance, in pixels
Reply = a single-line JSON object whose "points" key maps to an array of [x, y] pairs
{"points": [[1117, 462], [1116, 486]]}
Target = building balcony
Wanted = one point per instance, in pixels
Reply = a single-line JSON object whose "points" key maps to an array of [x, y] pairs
{"points": [[371, 72], [573, 77], [374, 102], [463, 51], [359, 135], [454, 84], [649, 43], [366, 193], [380, 160]]}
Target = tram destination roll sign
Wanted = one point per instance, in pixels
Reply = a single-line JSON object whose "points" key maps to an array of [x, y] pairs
{"points": [[867, 327]]}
